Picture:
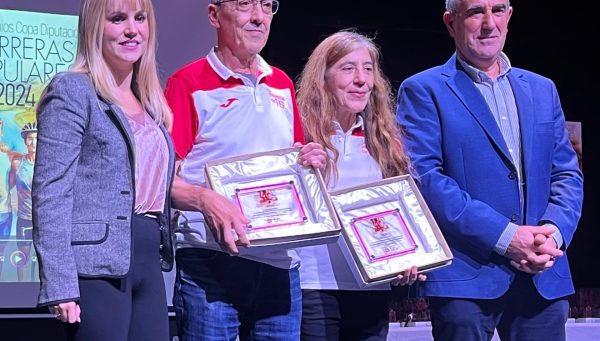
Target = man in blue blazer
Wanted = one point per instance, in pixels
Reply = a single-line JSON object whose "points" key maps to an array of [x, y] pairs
{"points": [[494, 162]]}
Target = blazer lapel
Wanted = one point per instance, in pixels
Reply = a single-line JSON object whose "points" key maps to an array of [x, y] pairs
{"points": [[463, 87], [120, 120], [522, 92]]}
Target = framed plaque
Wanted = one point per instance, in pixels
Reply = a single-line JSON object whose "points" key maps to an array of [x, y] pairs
{"points": [[387, 228], [285, 202]]}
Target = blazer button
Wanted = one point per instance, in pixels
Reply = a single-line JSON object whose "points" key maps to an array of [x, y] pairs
{"points": [[512, 175], [514, 218]]}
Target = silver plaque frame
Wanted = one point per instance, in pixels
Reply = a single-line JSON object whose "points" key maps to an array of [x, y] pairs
{"points": [[286, 202], [413, 236]]}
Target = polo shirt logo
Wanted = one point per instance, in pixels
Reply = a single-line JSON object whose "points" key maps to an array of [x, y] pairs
{"points": [[228, 103], [277, 100]]}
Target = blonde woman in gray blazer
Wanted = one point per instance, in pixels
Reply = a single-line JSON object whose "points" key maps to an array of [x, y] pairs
{"points": [[101, 187]]}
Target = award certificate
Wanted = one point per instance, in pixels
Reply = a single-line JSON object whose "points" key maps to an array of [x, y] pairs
{"points": [[383, 235], [271, 205]]}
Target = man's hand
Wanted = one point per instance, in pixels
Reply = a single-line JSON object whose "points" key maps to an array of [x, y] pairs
{"points": [[312, 154], [543, 245], [222, 217], [532, 249], [224, 220]]}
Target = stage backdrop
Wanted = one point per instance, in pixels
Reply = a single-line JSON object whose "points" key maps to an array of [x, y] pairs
{"points": [[37, 40], [183, 30]]}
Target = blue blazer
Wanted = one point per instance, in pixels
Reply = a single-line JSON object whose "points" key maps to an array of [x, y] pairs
{"points": [[469, 181]]}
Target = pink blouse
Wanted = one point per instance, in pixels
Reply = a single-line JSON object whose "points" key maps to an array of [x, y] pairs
{"points": [[151, 159]]}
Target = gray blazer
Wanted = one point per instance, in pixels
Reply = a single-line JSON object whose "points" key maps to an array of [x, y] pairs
{"points": [[83, 190]]}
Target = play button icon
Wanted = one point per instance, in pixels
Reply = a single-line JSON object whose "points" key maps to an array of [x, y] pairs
{"points": [[18, 259]]}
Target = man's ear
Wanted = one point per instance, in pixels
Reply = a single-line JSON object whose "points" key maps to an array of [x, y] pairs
{"points": [[449, 21], [213, 15]]}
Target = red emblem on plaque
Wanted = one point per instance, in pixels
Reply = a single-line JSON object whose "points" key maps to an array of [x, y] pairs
{"points": [[379, 225], [266, 197]]}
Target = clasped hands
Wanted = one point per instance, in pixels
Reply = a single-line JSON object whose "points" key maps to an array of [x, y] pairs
{"points": [[533, 249], [226, 221]]}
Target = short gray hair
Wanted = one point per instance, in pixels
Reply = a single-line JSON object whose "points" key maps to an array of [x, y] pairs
{"points": [[452, 5]]}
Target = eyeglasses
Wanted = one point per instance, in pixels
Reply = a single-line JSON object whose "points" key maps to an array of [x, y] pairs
{"points": [[267, 6]]}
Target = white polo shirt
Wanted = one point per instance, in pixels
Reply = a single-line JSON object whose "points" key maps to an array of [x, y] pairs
{"points": [[324, 266], [218, 113]]}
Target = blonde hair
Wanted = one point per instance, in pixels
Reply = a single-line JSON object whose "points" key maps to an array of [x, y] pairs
{"points": [[318, 105], [89, 58]]}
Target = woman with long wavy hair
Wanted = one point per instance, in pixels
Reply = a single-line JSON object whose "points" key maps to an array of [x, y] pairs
{"points": [[347, 107]]}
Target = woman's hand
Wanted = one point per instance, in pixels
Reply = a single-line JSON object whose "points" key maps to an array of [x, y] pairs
{"points": [[408, 276], [67, 312]]}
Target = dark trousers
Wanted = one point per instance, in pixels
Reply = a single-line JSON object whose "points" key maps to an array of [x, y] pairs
{"points": [[332, 315], [131, 308], [521, 314]]}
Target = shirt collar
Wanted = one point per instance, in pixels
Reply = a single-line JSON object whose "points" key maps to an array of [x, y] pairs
{"points": [[356, 129], [225, 73], [479, 76]]}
